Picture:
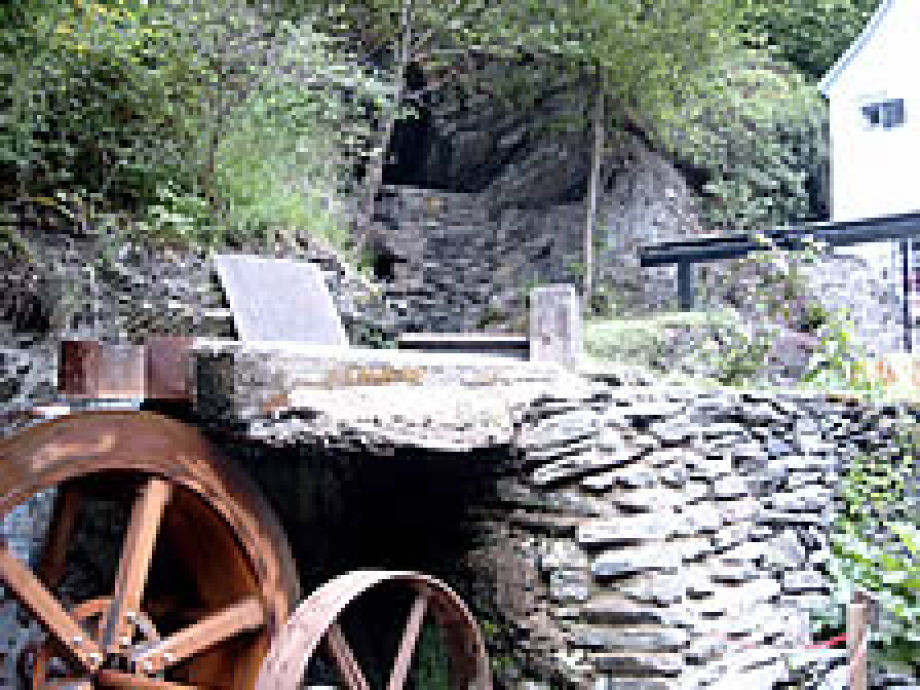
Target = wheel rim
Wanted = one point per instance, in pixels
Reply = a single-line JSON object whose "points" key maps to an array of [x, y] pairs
{"points": [[314, 629], [188, 507]]}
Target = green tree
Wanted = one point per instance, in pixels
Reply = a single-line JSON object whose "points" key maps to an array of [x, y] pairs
{"points": [[201, 118], [641, 57], [758, 143], [810, 34]]}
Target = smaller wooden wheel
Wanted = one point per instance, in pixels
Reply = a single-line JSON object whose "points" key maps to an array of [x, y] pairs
{"points": [[316, 629]]}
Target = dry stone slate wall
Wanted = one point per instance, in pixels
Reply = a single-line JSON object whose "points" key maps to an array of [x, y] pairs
{"points": [[658, 538]]}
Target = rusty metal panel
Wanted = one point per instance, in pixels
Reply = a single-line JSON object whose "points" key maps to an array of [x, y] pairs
{"points": [[168, 373], [90, 369], [122, 371], [78, 368], [279, 299]]}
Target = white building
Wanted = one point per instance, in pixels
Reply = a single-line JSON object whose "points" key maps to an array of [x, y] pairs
{"points": [[874, 96]]}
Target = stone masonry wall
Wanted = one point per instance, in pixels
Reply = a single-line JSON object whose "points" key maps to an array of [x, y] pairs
{"points": [[638, 537], [657, 538]]}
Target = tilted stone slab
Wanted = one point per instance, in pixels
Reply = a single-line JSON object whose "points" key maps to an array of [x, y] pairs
{"points": [[639, 664], [644, 639], [279, 299], [617, 610], [578, 465]]}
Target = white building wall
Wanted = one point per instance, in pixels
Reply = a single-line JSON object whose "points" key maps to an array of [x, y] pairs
{"points": [[876, 171]]}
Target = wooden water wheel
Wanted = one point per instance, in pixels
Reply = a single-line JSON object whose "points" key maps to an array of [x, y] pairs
{"points": [[202, 578]]}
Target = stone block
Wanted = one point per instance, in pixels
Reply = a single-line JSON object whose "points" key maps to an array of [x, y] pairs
{"points": [[634, 560], [615, 609], [645, 639], [625, 530], [667, 665]]}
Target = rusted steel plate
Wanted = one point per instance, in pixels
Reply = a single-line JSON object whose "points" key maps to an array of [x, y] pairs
{"points": [[160, 369], [279, 299], [91, 369], [316, 621], [168, 371], [78, 368]]}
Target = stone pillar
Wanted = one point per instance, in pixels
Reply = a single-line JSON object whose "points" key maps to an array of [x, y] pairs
{"points": [[555, 325]]}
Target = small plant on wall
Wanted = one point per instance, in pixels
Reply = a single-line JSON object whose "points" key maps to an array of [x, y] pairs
{"points": [[875, 546]]}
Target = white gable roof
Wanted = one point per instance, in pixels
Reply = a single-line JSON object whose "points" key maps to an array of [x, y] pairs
{"points": [[870, 30]]}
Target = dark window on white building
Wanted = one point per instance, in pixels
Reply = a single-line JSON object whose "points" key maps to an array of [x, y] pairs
{"points": [[886, 114]]}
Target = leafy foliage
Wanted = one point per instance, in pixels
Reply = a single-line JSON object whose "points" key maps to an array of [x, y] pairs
{"points": [[810, 34], [228, 120], [758, 142], [876, 546], [771, 291], [208, 120]]}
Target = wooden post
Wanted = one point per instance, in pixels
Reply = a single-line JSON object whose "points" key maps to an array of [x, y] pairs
{"points": [[555, 325], [597, 121], [858, 614]]}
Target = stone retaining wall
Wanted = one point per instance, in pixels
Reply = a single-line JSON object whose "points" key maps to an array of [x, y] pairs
{"points": [[655, 539]]}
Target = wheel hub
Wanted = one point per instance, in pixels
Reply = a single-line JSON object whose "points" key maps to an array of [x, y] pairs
{"points": [[46, 662]]}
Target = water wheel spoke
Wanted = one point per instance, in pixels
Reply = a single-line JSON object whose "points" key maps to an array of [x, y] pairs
{"points": [[42, 604], [246, 616], [344, 659], [108, 678], [53, 561], [408, 643], [134, 566]]}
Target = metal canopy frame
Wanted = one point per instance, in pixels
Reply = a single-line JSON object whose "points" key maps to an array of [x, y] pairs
{"points": [[901, 228]]}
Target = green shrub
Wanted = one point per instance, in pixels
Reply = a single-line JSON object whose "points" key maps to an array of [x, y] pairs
{"points": [[757, 144], [207, 120], [691, 343], [875, 546]]}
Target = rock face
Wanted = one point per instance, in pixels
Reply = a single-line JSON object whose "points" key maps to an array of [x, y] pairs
{"points": [[486, 200], [482, 190], [73, 289], [465, 261]]}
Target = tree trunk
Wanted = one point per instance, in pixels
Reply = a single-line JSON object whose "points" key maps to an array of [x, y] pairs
{"points": [[597, 123], [374, 176]]}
